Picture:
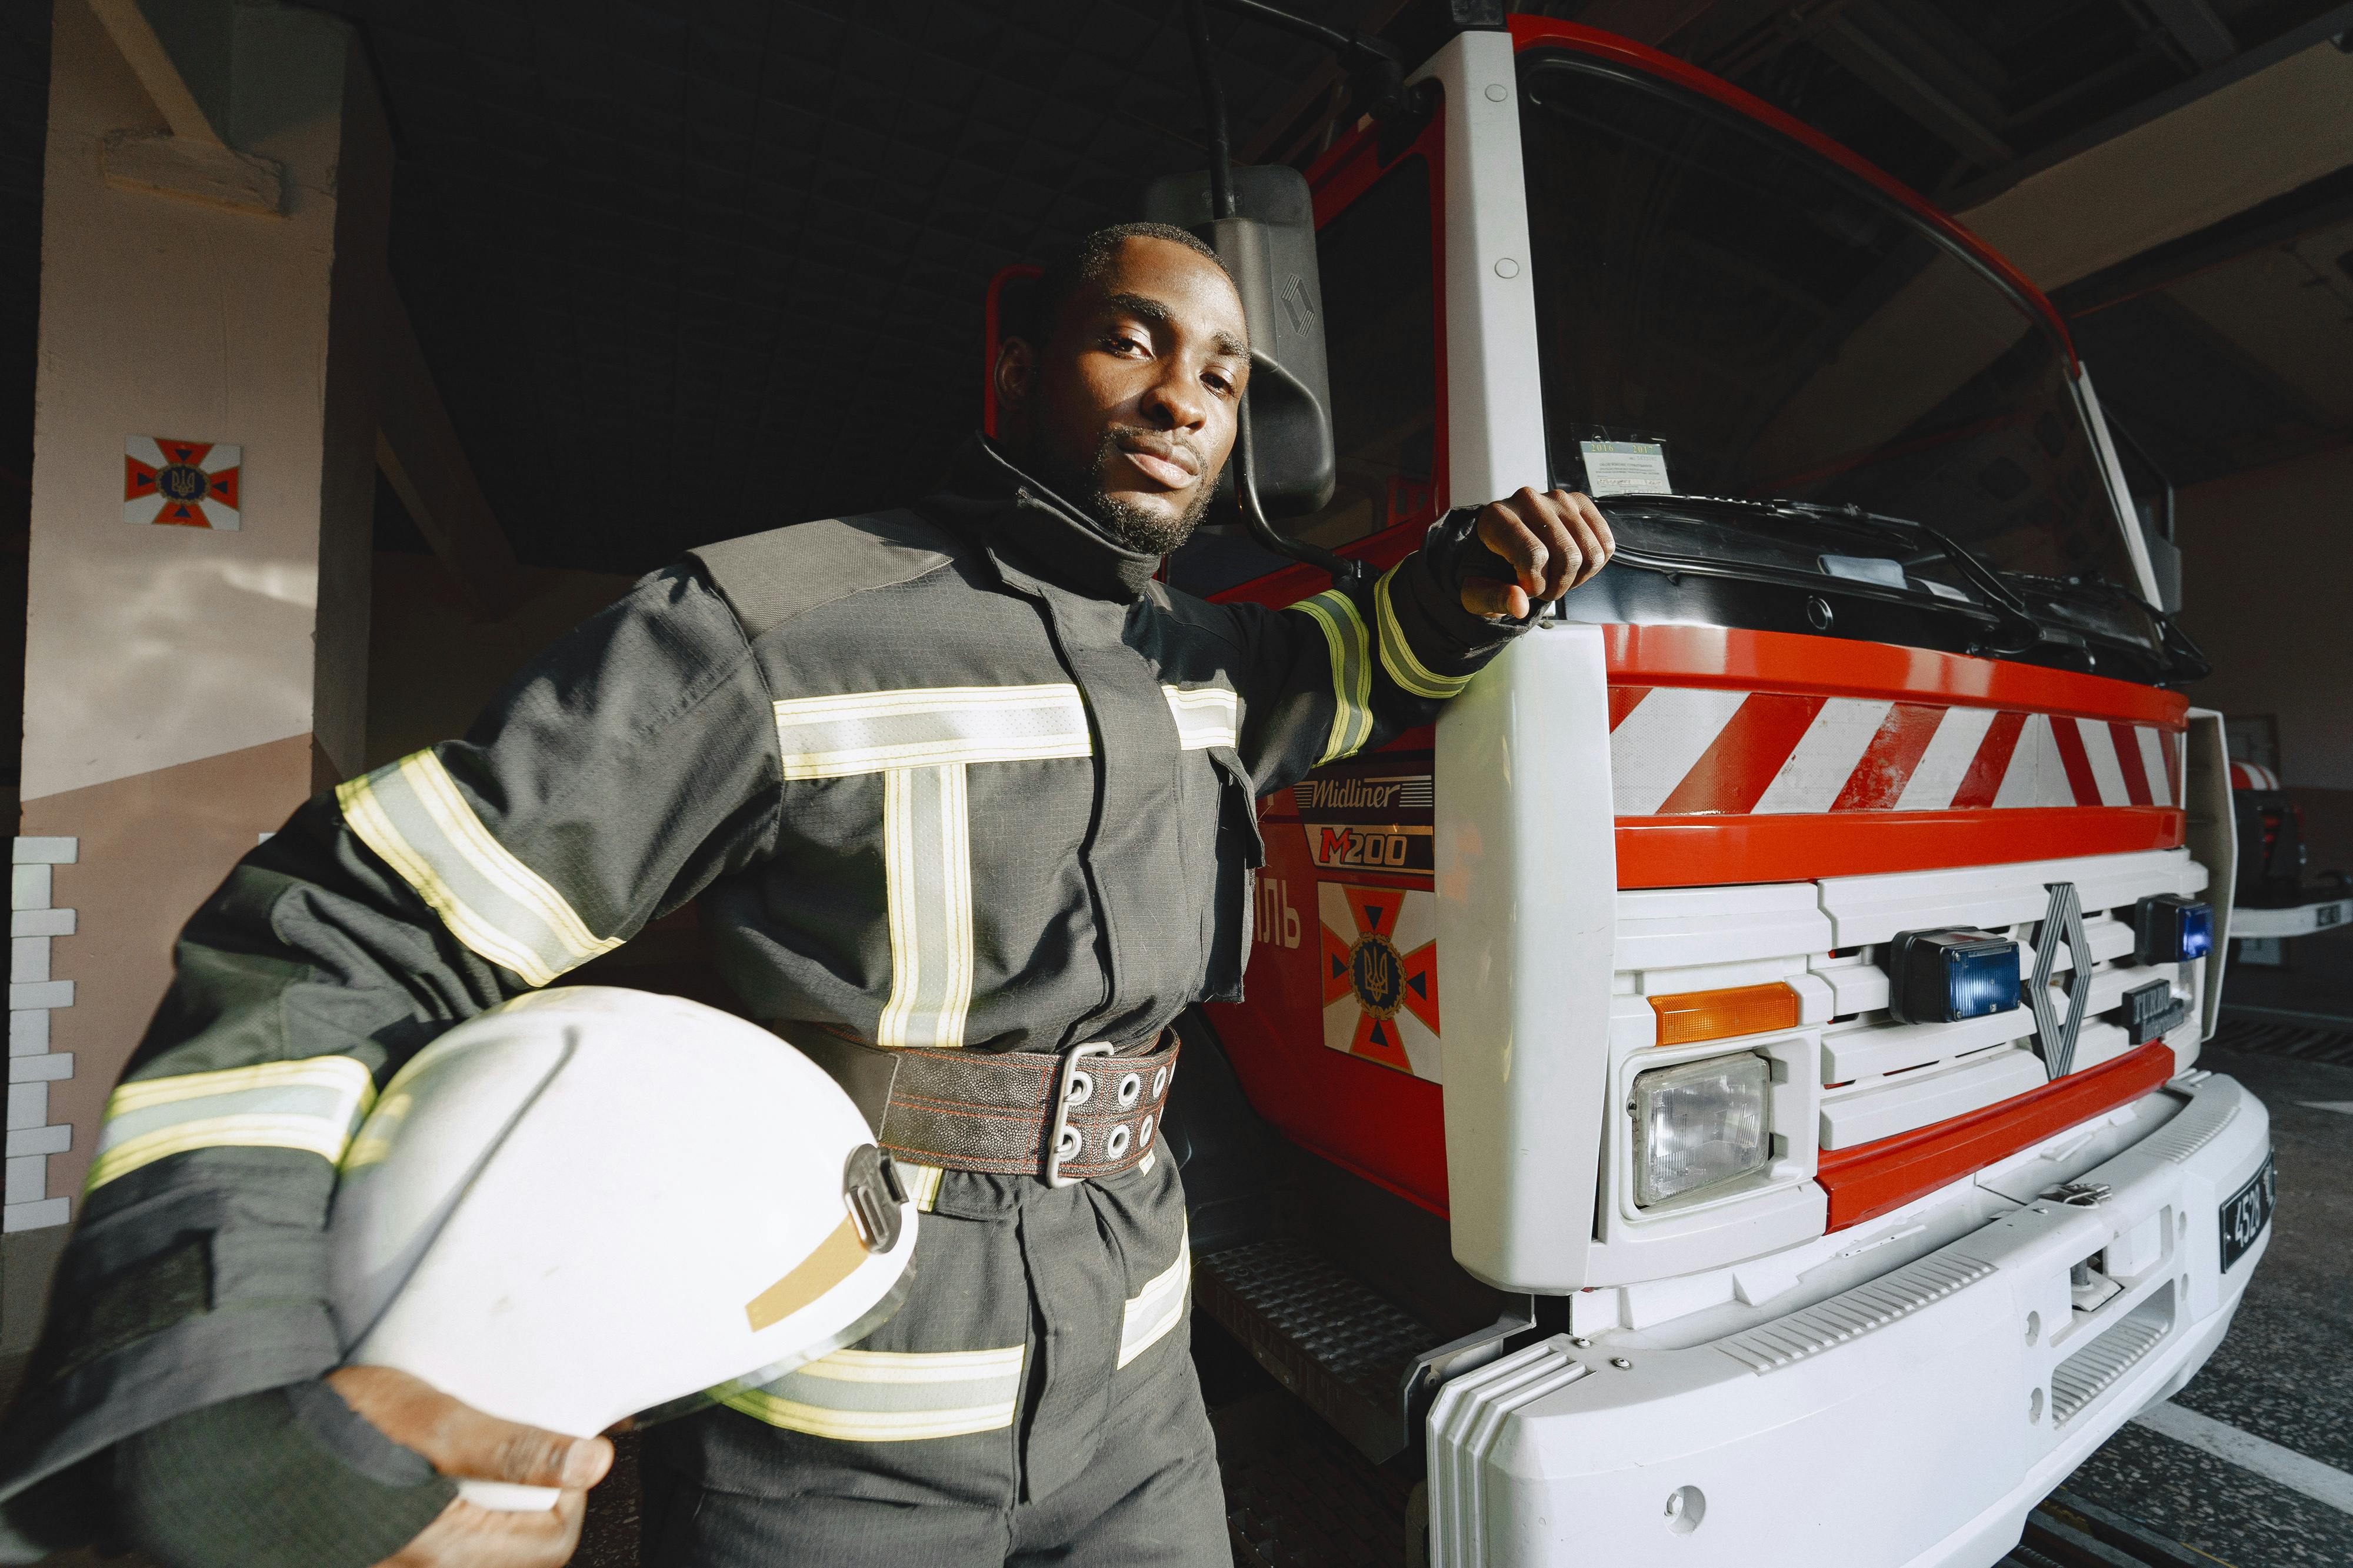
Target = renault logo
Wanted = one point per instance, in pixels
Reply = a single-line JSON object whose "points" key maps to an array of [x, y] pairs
{"points": [[2063, 921]]}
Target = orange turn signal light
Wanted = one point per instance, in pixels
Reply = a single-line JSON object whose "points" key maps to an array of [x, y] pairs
{"points": [[1689, 1016]]}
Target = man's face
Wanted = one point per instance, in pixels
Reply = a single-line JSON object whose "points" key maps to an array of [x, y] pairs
{"points": [[1131, 401]]}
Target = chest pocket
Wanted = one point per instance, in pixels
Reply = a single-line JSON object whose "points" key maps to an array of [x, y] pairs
{"points": [[1226, 915]]}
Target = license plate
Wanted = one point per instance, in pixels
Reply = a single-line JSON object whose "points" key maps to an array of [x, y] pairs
{"points": [[2246, 1212]]}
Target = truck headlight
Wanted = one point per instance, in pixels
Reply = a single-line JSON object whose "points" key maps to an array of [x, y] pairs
{"points": [[1699, 1123]]}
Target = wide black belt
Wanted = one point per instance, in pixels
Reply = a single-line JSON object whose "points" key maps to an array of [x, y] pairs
{"points": [[1067, 1117]]}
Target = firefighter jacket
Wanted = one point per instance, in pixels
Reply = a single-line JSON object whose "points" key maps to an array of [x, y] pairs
{"points": [[962, 774]]}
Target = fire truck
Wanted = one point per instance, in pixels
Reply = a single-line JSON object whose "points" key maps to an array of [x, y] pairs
{"points": [[1729, 1092]]}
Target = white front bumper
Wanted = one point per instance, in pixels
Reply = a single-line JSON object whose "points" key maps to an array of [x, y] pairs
{"points": [[1907, 1422]]}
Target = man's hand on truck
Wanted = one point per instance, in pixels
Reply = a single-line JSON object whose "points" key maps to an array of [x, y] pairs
{"points": [[463, 1442], [1554, 541]]}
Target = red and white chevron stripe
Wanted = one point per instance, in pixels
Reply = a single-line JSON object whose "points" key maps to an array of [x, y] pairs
{"points": [[1684, 751]]}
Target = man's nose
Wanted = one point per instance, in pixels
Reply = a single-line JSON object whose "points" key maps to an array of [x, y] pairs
{"points": [[1176, 398]]}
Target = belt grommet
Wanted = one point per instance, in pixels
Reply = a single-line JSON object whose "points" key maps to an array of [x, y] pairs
{"points": [[1082, 1089], [1143, 1134], [1130, 1087], [1118, 1145], [1159, 1082], [1071, 1144]]}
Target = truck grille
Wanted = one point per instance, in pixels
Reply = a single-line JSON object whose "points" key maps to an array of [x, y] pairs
{"points": [[1880, 1078]]}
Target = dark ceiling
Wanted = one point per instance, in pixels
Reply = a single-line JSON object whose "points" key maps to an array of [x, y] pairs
{"points": [[684, 269], [686, 272]]}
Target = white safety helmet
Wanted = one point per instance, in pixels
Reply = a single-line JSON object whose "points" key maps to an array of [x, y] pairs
{"points": [[590, 1204]]}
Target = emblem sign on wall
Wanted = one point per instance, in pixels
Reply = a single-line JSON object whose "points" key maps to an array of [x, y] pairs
{"points": [[180, 484]]}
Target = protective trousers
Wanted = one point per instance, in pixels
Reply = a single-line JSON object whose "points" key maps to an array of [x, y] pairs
{"points": [[1033, 1402]]}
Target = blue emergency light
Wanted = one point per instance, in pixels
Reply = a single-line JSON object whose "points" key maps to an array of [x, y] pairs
{"points": [[1938, 976], [2170, 928]]}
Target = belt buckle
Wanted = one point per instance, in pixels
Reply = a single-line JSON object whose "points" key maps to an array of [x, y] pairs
{"points": [[1065, 1082]]}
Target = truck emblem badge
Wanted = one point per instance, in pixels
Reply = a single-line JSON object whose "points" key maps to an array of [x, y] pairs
{"points": [[2063, 921], [1379, 966], [1298, 309]]}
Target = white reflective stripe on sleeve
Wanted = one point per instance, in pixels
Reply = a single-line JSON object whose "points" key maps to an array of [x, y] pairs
{"points": [[1157, 1308], [312, 1104], [927, 870], [1206, 716], [889, 1396], [869, 731], [1352, 671], [410, 813], [1397, 656]]}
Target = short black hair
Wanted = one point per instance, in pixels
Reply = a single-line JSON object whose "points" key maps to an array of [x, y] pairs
{"points": [[1072, 268]]}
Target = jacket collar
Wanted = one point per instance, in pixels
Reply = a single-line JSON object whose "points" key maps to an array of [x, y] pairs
{"points": [[1049, 537]]}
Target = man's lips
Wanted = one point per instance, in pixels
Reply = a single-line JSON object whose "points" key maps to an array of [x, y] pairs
{"points": [[1175, 470]]}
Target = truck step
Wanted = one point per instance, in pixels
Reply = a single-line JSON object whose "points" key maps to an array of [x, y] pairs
{"points": [[1336, 1345]]}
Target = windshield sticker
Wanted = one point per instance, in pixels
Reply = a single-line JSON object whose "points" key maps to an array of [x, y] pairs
{"points": [[1625, 468], [1876, 569]]}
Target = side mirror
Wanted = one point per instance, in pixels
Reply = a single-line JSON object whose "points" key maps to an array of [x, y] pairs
{"points": [[1269, 247]]}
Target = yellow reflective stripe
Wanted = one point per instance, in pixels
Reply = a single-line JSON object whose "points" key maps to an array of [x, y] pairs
{"points": [[890, 1396], [1351, 675], [1205, 715], [411, 813], [915, 1366], [932, 726], [474, 841], [870, 1425], [1397, 656], [1157, 1308], [955, 897], [923, 1182], [927, 888], [320, 1072], [259, 1131], [312, 1104], [899, 914]]}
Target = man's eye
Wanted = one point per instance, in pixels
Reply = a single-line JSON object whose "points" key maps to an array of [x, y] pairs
{"points": [[1218, 385], [1125, 346]]}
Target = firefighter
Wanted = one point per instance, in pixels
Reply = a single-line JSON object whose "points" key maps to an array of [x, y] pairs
{"points": [[968, 801]]}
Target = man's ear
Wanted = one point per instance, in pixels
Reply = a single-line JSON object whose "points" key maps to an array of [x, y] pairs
{"points": [[1016, 368]]}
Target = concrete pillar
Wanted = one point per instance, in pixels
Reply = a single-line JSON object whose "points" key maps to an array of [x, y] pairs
{"points": [[186, 687]]}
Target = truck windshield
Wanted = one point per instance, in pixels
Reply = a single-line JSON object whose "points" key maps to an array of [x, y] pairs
{"points": [[1725, 313]]}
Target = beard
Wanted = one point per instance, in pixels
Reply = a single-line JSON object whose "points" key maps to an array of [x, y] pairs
{"points": [[1140, 528]]}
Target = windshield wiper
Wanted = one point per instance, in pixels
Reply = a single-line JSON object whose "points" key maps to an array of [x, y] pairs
{"points": [[2007, 606], [2185, 660]]}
